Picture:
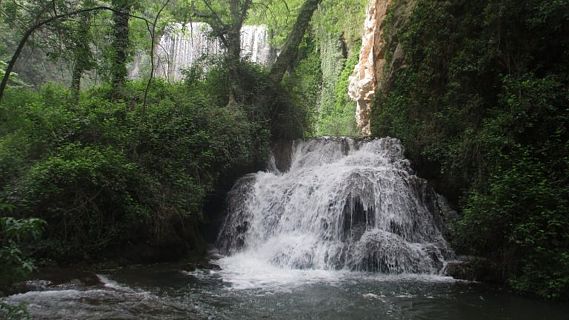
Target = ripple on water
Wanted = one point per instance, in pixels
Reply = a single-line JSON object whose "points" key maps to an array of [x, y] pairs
{"points": [[159, 292]]}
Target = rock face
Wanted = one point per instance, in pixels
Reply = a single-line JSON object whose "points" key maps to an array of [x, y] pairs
{"points": [[368, 72], [474, 269]]}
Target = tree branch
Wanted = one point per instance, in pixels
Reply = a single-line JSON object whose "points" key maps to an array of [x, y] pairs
{"points": [[38, 24], [153, 40], [288, 53]]}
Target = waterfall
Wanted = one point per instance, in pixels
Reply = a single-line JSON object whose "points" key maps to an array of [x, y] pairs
{"points": [[183, 45], [342, 205]]}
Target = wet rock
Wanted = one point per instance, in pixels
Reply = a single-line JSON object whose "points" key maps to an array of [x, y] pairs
{"points": [[49, 279], [473, 269], [203, 265], [282, 154], [30, 285], [447, 214]]}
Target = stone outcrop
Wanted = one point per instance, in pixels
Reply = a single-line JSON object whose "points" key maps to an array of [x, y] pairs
{"points": [[472, 268], [368, 72]]}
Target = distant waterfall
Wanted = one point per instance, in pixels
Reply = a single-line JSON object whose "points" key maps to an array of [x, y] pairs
{"points": [[182, 45], [343, 204]]}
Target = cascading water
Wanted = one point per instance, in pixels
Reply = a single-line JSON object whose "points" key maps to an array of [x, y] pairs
{"points": [[342, 205], [182, 45]]}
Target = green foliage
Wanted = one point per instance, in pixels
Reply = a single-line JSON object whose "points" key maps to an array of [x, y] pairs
{"points": [[92, 191], [11, 312], [105, 174], [523, 214], [332, 64], [278, 15], [481, 105], [15, 237], [337, 111], [15, 80], [305, 81], [320, 75], [342, 18], [335, 17]]}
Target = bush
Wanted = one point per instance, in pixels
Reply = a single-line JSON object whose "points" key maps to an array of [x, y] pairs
{"points": [[481, 104], [521, 221], [107, 175], [10, 312], [90, 196], [15, 237]]}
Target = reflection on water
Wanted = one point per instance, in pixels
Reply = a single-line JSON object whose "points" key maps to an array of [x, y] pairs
{"points": [[169, 292]]}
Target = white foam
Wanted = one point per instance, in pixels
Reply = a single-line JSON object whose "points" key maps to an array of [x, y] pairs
{"points": [[111, 284], [244, 271], [343, 205]]}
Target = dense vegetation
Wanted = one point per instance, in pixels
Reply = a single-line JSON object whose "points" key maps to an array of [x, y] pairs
{"points": [[96, 165], [325, 61], [481, 101], [115, 168], [108, 174]]}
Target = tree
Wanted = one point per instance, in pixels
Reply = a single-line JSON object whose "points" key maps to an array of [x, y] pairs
{"points": [[120, 44], [83, 60], [288, 52], [230, 35], [42, 17]]}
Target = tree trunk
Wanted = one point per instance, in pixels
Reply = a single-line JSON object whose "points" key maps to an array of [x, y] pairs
{"points": [[82, 56], [288, 53], [152, 45], [121, 17], [76, 81], [31, 30], [233, 58], [12, 62]]}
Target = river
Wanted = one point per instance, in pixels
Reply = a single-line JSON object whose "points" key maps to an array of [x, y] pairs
{"points": [[346, 231], [240, 291]]}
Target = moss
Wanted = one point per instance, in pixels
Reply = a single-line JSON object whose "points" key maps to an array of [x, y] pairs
{"points": [[337, 111], [480, 106]]}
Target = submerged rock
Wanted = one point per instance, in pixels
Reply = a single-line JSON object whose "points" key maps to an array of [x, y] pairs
{"points": [[473, 269]]}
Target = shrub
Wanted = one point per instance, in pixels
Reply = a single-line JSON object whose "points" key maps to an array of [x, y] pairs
{"points": [[107, 175], [15, 237], [481, 104]]}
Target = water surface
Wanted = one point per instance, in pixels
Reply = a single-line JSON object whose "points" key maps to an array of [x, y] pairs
{"points": [[246, 291]]}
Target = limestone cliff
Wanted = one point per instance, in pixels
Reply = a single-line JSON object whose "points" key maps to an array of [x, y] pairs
{"points": [[369, 71]]}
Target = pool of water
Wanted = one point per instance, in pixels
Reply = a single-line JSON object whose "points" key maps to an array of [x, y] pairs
{"points": [[245, 290]]}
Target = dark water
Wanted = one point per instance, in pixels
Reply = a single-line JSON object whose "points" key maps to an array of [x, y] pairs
{"points": [[169, 292]]}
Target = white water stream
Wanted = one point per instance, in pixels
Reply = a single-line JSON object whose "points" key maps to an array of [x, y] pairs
{"points": [[343, 205], [347, 233], [183, 45]]}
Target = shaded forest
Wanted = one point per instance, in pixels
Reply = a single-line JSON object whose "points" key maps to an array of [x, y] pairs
{"points": [[97, 165]]}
